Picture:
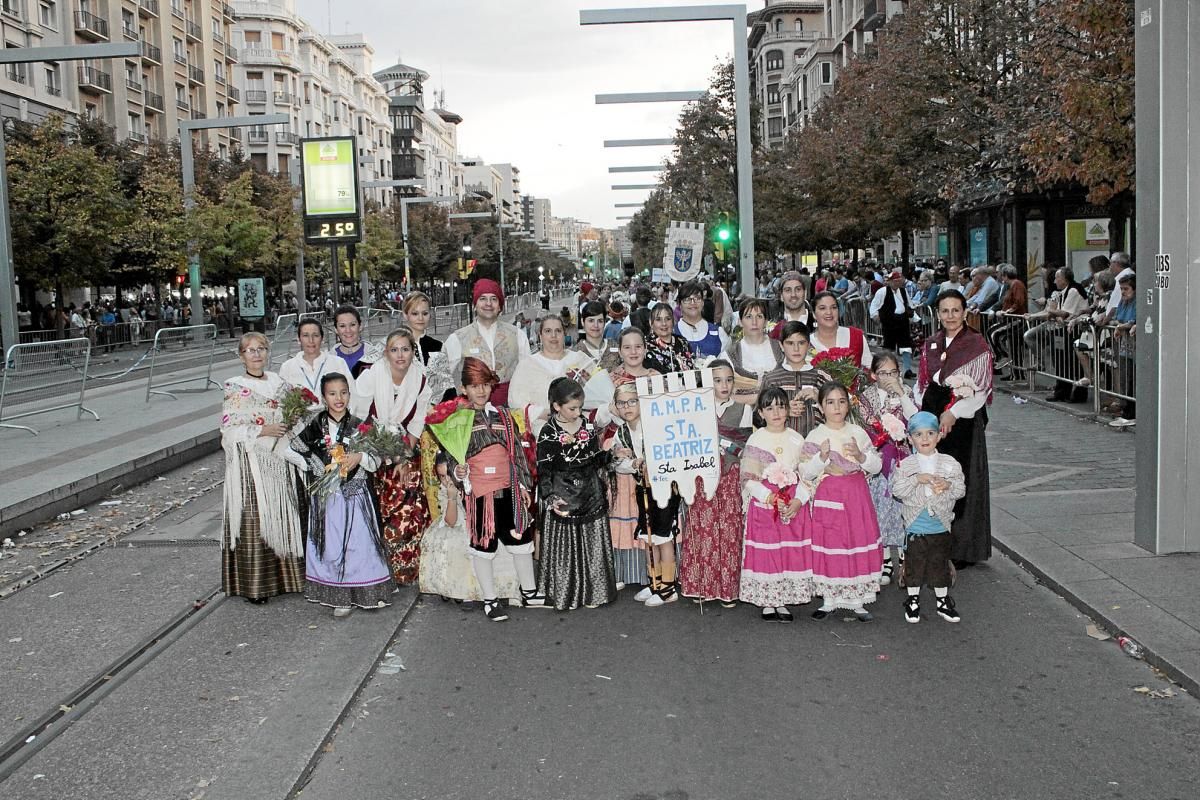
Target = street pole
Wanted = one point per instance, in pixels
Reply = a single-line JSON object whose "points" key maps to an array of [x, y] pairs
{"points": [[500, 227], [188, 166], [8, 276], [336, 270]]}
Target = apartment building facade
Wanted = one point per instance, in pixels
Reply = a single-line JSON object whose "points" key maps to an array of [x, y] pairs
{"points": [[781, 34], [183, 69]]}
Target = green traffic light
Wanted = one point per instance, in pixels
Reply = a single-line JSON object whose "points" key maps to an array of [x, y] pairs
{"points": [[723, 234]]}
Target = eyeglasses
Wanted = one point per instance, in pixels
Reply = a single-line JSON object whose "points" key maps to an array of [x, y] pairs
{"points": [[626, 403], [693, 299], [888, 373], [255, 351]]}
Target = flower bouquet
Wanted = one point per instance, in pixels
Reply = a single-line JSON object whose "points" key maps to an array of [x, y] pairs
{"points": [[785, 480], [889, 428], [840, 365], [450, 422], [329, 482], [296, 402], [384, 442]]}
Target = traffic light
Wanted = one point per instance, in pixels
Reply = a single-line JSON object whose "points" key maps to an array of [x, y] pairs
{"points": [[724, 237]]}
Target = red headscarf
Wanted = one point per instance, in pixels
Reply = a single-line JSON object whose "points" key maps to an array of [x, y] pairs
{"points": [[476, 372], [487, 286]]}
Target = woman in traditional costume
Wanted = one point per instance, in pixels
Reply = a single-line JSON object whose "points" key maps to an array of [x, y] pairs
{"points": [[602, 352], [776, 561], [666, 350], [346, 557], [830, 334], [711, 562], [844, 535], [394, 392], [498, 491], [576, 550], [755, 354], [417, 311], [955, 385], [262, 542], [531, 379], [357, 352]]}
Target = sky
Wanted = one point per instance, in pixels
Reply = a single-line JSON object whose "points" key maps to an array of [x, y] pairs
{"points": [[523, 74]]}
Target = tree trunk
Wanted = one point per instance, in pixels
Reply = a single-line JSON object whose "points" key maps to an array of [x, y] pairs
{"points": [[905, 247]]}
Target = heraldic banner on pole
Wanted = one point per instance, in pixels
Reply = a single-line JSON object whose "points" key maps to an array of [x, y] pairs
{"points": [[683, 256], [679, 431]]}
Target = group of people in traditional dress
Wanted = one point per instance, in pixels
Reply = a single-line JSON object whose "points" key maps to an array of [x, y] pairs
{"points": [[827, 490]]}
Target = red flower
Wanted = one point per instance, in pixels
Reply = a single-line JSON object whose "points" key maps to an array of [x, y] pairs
{"points": [[311, 398], [442, 410], [832, 354], [364, 428]]}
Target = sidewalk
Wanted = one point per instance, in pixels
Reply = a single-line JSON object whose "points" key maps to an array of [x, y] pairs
{"points": [[72, 463], [1062, 507]]}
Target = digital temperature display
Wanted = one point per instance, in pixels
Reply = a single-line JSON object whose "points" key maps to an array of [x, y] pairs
{"points": [[332, 230]]}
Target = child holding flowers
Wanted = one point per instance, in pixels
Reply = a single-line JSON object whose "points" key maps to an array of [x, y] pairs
{"points": [[846, 557], [345, 560], [887, 405], [576, 552], [776, 559]]}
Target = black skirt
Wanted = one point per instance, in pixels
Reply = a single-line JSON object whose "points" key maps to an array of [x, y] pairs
{"points": [[966, 444]]}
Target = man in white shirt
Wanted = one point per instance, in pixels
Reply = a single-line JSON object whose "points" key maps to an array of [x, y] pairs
{"points": [[1118, 265], [892, 308], [951, 282], [497, 343]]}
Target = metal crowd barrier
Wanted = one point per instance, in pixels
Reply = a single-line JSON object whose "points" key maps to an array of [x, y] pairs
{"points": [[447, 319], [190, 339], [40, 371]]}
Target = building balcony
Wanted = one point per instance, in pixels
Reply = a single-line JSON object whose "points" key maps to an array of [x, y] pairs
{"points": [[129, 33], [133, 86], [194, 34], [285, 99], [218, 38], [226, 11], [286, 137], [255, 97], [874, 14], [219, 77], [199, 115], [235, 94], [154, 102], [258, 135], [182, 104], [177, 9], [148, 8], [16, 73], [231, 53], [775, 37], [181, 59], [89, 26], [93, 81], [137, 137], [196, 74], [150, 53]]}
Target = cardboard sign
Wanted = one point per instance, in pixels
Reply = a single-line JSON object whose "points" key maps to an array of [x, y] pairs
{"points": [[679, 433], [682, 258]]}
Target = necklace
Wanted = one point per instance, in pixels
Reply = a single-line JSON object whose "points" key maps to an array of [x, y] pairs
{"points": [[259, 376]]}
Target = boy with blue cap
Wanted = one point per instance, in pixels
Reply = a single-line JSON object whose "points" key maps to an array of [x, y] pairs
{"points": [[928, 484]]}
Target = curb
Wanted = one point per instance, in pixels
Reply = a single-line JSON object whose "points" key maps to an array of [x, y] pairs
{"points": [[1190, 683], [1083, 416], [34, 510]]}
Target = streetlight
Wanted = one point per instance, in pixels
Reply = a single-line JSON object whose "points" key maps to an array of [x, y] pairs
{"points": [[34, 55], [188, 166], [736, 16]]}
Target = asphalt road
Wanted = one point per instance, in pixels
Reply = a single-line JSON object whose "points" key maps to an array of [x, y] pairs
{"points": [[635, 703]]}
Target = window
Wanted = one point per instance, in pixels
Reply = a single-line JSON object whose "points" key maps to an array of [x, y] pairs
{"points": [[799, 24], [129, 23], [253, 37], [217, 31], [16, 72], [827, 73], [89, 110], [135, 126], [53, 81], [179, 50], [798, 55], [277, 41], [775, 60], [778, 25], [48, 14], [775, 127], [219, 70], [181, 94], [220, 109], [773, 94]]}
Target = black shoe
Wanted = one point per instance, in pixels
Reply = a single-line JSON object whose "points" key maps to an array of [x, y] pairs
{"points": [[782, 614], [946, 610], [912, 608], [533, 599], [494, 610], [769, 615], [961, 563], [864, 616], [820, 614], [258, 601]]}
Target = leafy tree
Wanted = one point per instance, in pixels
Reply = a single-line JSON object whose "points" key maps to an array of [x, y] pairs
{"points": [[274, 199], [381, 252], [66, 208], [229, 232], [154, 243]]}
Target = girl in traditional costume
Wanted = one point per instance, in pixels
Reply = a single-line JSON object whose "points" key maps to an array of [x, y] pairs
{"points": [[711, 561], [346, 557], [498, 492], [886, 406], [576, 549], [846, 556], [394, 392], [629, 552], [262, 544], [777, 562]]}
